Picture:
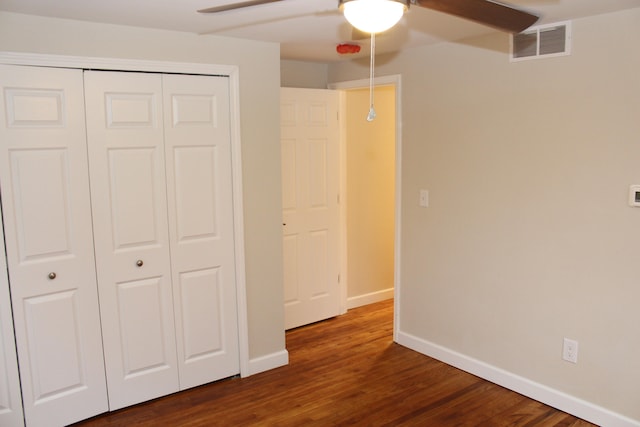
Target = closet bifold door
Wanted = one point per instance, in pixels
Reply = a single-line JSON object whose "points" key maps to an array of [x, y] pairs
{"points": [[47, 223], [199, 191], [128, 188]]}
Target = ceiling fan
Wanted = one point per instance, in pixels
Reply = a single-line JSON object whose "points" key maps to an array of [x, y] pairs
{"points": [[361, 14], [375, 16]]}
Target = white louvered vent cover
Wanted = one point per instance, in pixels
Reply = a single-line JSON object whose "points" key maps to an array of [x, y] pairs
{"points": [[542, 41]]}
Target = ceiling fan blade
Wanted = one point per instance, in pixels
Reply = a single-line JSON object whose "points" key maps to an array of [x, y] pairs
{"points": [[487, 12], [233, 6]]}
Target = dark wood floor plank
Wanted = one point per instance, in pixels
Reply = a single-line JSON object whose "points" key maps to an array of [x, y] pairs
{"points": [[346, 371]]}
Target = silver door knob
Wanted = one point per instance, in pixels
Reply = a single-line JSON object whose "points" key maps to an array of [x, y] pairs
{"points": [[52, 275], [139, 263]]}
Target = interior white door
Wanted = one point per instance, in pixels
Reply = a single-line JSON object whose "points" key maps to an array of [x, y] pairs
{"points": [[11, 414], [310, 177], [199, 191], [126, 159], [47, 219]]}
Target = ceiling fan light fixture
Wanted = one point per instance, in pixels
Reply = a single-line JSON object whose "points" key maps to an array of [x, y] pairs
{"points": [[373, 16]]}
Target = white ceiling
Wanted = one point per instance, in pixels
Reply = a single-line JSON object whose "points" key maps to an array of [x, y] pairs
{"points": [[306, 29]]}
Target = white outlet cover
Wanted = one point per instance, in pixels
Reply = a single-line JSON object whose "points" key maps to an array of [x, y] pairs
{"points": [[570, 350]]}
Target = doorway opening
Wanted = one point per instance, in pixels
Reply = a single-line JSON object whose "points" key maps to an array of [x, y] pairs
{"points": [[392, 85], [367, 167], [369, 193]]}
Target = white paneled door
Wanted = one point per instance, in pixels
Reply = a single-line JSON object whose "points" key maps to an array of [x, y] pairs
{"points": [[126, 159], [47, 221], [310, 177], [200, 200]]}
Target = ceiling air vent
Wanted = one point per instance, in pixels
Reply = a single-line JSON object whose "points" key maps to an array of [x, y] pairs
{"points": [[542, 41]]}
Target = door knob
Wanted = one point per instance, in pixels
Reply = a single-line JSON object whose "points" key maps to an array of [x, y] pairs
{"points": [[139, 263], [52, 275]]}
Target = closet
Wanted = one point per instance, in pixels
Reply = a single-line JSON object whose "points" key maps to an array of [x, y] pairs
{"points": [[118, 215]]}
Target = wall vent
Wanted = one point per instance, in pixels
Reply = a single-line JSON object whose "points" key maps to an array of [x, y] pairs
{"points": [[542, 41]]}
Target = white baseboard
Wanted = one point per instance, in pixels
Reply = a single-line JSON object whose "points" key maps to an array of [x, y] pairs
{"points": [[267, 362], [370, 298], [547, 395]]}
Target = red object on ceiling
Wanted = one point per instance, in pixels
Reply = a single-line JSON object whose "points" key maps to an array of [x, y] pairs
{"points": [[347, 48]]}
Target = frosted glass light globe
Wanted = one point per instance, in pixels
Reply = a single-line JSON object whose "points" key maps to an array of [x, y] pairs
{"points": [[373, 16]]}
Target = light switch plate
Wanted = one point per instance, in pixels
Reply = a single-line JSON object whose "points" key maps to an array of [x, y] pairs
{"points": [[634, 195], [424, 198]]}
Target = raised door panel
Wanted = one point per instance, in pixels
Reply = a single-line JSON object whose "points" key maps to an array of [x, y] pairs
{"points": [[199, 191], [290, 271], [47, 220], [309, 149], [126, 157]]}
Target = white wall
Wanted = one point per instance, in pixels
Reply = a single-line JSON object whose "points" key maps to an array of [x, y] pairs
{"points": [[259, 69], [528, 237]]}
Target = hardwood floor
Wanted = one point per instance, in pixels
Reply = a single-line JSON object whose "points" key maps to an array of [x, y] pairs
{"points": [[346, 371]]}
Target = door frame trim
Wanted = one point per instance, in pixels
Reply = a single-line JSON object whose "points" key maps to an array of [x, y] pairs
{"points": [[390, 80], [230, 71]]}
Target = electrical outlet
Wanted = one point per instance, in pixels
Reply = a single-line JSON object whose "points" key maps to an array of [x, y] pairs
{"points": [[570, 350]]}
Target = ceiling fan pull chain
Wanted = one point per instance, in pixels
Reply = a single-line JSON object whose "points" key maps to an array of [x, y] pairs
{"points": [[372, 111]]}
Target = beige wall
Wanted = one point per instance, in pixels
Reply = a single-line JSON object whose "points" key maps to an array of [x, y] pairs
{"points": [[528, 237], [370, 152], [259, 70], [302, 74]]}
